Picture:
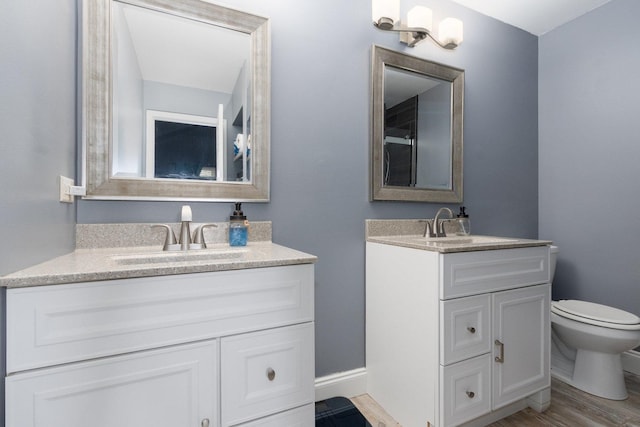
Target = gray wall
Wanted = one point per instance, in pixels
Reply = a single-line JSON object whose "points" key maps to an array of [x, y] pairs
{"points": [[320, 135], [589, 151], [320, 129], [37, 129]]}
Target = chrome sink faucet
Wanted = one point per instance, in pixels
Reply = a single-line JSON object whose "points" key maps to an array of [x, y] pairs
{"points": [[185, 242], [435, 228], [185, 228]]}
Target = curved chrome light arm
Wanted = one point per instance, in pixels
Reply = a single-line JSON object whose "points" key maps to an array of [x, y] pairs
{"points": [[417, 33]]}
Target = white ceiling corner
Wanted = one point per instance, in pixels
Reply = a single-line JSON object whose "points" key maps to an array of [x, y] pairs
{"points": [[534, 16]]}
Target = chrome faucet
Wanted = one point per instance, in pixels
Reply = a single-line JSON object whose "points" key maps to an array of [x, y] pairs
{"points": [[185, 241], [437, 229], [428, 228], [185, 228], [198, 237], [170, 241]]}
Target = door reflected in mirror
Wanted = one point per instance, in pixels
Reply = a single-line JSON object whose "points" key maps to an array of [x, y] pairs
{"points": [[416, 137]]}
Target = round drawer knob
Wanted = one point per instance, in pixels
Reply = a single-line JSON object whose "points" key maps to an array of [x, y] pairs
{"points": [[471, 394], [271, 374], [471, 329]]}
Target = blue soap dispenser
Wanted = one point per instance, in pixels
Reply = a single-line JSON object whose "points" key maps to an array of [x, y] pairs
{"points": [[238, 227]]}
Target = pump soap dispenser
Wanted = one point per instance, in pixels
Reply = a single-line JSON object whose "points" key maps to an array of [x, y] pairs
{"points": [[238, 226], [464, 223]]}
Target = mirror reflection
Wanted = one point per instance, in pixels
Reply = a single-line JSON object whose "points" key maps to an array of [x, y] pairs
{"points": [[175, 101], [416, 138], [180, 88], [417, 130]]}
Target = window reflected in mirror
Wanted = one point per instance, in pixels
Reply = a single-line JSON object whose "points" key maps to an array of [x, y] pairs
{"points": [[181, 149]]}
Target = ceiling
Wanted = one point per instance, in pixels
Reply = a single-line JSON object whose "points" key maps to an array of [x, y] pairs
{"points": [[184, 52], [535, 16]]}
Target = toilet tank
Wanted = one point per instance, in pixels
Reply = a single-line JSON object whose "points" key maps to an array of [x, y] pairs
{"points": [[553, 256]]}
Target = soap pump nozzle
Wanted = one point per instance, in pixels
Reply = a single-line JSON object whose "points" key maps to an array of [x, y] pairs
{"points": [[464, 223], [237, 213]]}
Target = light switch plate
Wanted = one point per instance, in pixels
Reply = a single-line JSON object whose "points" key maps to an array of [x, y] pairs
{"points": [[65, 189]]}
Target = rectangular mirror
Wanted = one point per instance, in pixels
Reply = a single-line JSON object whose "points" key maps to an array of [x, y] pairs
{"points": [[416, 137], [175, 101]]}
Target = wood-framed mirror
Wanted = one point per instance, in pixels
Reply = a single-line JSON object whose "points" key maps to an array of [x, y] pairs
{"points": [[175, 101], [416, 129]]}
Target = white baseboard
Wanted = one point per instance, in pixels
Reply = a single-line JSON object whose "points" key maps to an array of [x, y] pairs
{"points": [[631, 361], [347, 384]]}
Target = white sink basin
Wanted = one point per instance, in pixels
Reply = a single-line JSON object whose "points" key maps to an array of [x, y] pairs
{"points": [[202, 255], [460, 240]]}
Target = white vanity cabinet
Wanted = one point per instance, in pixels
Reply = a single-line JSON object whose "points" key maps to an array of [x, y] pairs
{"points": [[165, 387], [460, 337], [203, 350]]}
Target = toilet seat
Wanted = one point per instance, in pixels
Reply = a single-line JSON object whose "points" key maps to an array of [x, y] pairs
{"points": [[596, 314]]}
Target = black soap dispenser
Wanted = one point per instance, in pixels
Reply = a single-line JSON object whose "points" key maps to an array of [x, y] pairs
{"points": [[464, 223], [238, 227]]}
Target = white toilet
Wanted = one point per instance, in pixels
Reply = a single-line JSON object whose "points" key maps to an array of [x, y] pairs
{"points": [[587, 341]]}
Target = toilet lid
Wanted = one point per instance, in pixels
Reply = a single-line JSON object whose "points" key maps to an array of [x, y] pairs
{"points": [[599, 312]]}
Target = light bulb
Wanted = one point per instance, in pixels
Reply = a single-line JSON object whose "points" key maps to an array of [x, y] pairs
{"points": [[450, 31], [419, 17], [388, 9]]}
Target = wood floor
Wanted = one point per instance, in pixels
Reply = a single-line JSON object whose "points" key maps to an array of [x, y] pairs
{"points": [[569, 408]]}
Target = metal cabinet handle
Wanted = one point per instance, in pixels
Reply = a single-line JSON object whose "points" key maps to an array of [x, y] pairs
{"points": [[205, 423], [499, 359], [471, 329], [271, 374], [470, 394]]}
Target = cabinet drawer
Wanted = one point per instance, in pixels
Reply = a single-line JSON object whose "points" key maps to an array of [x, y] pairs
{"points": [[465, 328], [266, 372], [299, 417], [49, 325], [168, 387], [470, 273], [466, 390]]}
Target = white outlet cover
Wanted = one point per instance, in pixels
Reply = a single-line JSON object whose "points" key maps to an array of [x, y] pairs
{"points": [[65, 189]]}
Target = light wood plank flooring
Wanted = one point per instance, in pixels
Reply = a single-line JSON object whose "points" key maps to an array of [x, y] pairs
{"points": [[569, 408]]}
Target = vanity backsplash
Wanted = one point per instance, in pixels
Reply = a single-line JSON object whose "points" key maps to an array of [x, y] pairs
{"points": [[95, 236]]}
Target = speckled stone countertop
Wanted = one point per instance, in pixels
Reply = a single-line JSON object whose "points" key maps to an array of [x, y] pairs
{"points": [[409, 233], [105, 263]]}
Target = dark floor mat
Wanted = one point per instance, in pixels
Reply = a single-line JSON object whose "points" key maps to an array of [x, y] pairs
{"points": [[339, 412]]}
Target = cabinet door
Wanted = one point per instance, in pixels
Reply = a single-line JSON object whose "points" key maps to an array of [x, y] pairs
{"points": [[466, 390], [169, 387], [521, 327], [465, 328], [266, 372]]}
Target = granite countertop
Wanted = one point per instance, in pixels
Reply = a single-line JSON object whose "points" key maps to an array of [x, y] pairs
{"points": [[457, 243], [84, 265], [409, 233]]}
